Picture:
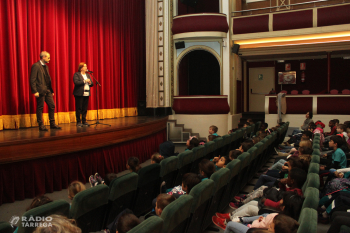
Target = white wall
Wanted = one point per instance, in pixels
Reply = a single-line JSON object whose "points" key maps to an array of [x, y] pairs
{"points": [[200, 123]]}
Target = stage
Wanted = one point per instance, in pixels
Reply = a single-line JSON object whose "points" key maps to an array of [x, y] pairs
{"points": [[34, 162]]}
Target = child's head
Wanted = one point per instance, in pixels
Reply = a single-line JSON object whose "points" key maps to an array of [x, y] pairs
{"points": [[156, 158], [39, 201], [309, 115], [312, 127], [234, 154], [296, 178], [240, 125], [305, 142], [336, 122], [307, 134], [109, 177], [192, 142], [74, 188], [336, 141], [189, 180], [264, 126], [262, 134], [284, 224], [291, 204], [256, 140], [126, 222], [250, 120], [163, 200], [305, 150], [213, 129], [133, 164], [206, 168], [223, 161], [246, 145], [331, 123], [57, 223], [246, 124], [211, 137], [341, 128], [296, 162]]}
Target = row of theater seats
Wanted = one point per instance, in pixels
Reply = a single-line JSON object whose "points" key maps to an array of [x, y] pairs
{"points": [[308, 216], [96, 207]]}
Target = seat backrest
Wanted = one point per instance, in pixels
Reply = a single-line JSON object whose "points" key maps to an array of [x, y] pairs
{"points": [[234, 166], [176, 214], [311, 198], [152, 224], [148, 174], [305, 92], [220, 178], [314, 168], [89, 208], [346, 91], [284, 91], [168, 170], [60, 207], [315, 159], [210, 147], [121, 195], [185, 158], [312, 180], [308, 221], [5, 227], [294, 92], [245, 159], [334, 92], [198, 152]]}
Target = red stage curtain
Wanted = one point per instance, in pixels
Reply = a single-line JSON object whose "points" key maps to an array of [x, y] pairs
{"points": [[35, 177], [108, 35]]}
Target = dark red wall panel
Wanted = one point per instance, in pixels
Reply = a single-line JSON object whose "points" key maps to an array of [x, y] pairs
{"points": [[292, 20], [272, 106], [198, 23], [251, 24], [201, 105], [333, 15], [333, 105], [202, 6], [299, 105]]}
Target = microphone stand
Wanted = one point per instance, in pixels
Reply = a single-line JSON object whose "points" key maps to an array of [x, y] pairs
{"points": [[97, 120]]}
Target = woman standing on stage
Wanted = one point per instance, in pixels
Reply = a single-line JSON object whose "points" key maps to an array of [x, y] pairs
{"points": [[82, 83]]}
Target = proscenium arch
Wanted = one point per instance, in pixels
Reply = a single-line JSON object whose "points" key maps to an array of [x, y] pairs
{"points": [[187, 51]]}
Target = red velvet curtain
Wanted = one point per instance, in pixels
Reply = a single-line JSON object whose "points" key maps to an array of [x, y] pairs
{"points": [[108, 35], [35, 177]]}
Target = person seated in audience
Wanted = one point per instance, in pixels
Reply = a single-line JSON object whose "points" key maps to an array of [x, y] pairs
{"points": [[341, 129], [156, 158], [305, 142], [222, 162], [261, 134], [339, 201], [74, 188], [126, 222], [213, 130], [305, 125], [278, 223], [245, 124], [264, 126], [246, 145], [57, 224], [133, 164], [109, 177], [250, 121], [332, 125], [234, 154], [348, 132], [338, 156], [39, 201], [206, 169], [191, 143], [167, 149], [211, 137], [295, 140], [162, 201], [256, 140], [189, 180]]}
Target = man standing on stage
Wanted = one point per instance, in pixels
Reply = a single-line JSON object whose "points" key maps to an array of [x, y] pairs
{"points": [[40, 82]]}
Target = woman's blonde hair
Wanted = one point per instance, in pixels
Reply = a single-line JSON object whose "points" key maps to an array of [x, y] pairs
{"points": [[156, 157], [57, 224], [74, 188], [306, 143]]}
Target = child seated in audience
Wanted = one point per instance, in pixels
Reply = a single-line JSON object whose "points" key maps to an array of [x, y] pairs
{"points": [[206, 169], [109, 177], [250, 121], [264, 126], [133, 164], [126, 222], [338, 157], [74, 188], [39, 201], [156, 158], [162, 201], [211, 137], [189, 180], [234, 154], [222, 162], [256, 140], [341, 129], [246, 145], [332, 125], [191, 143], [213, 130], [97, 179]]}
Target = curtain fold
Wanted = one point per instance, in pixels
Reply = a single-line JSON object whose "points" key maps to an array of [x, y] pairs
{"points": [[108, 35]]}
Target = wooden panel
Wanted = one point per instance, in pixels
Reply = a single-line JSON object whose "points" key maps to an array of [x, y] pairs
{"points": [[19, 150]]}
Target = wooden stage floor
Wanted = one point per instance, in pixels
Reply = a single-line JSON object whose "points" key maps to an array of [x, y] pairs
{"points": [[30, 143]]}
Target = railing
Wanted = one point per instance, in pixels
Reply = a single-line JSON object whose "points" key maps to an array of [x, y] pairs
{"points": [[275, 7]]}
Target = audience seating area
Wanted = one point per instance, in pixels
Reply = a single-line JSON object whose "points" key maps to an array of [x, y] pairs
{"points": [[96, 207]]}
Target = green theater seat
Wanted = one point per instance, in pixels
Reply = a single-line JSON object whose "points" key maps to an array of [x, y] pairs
{"points": [[168, 170], [89, 208], [311, 198], [184, 165], [176, 215], [59, 207], [5, 227], [308, 221], [153, 224], [314, 168], [313, 180]]}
